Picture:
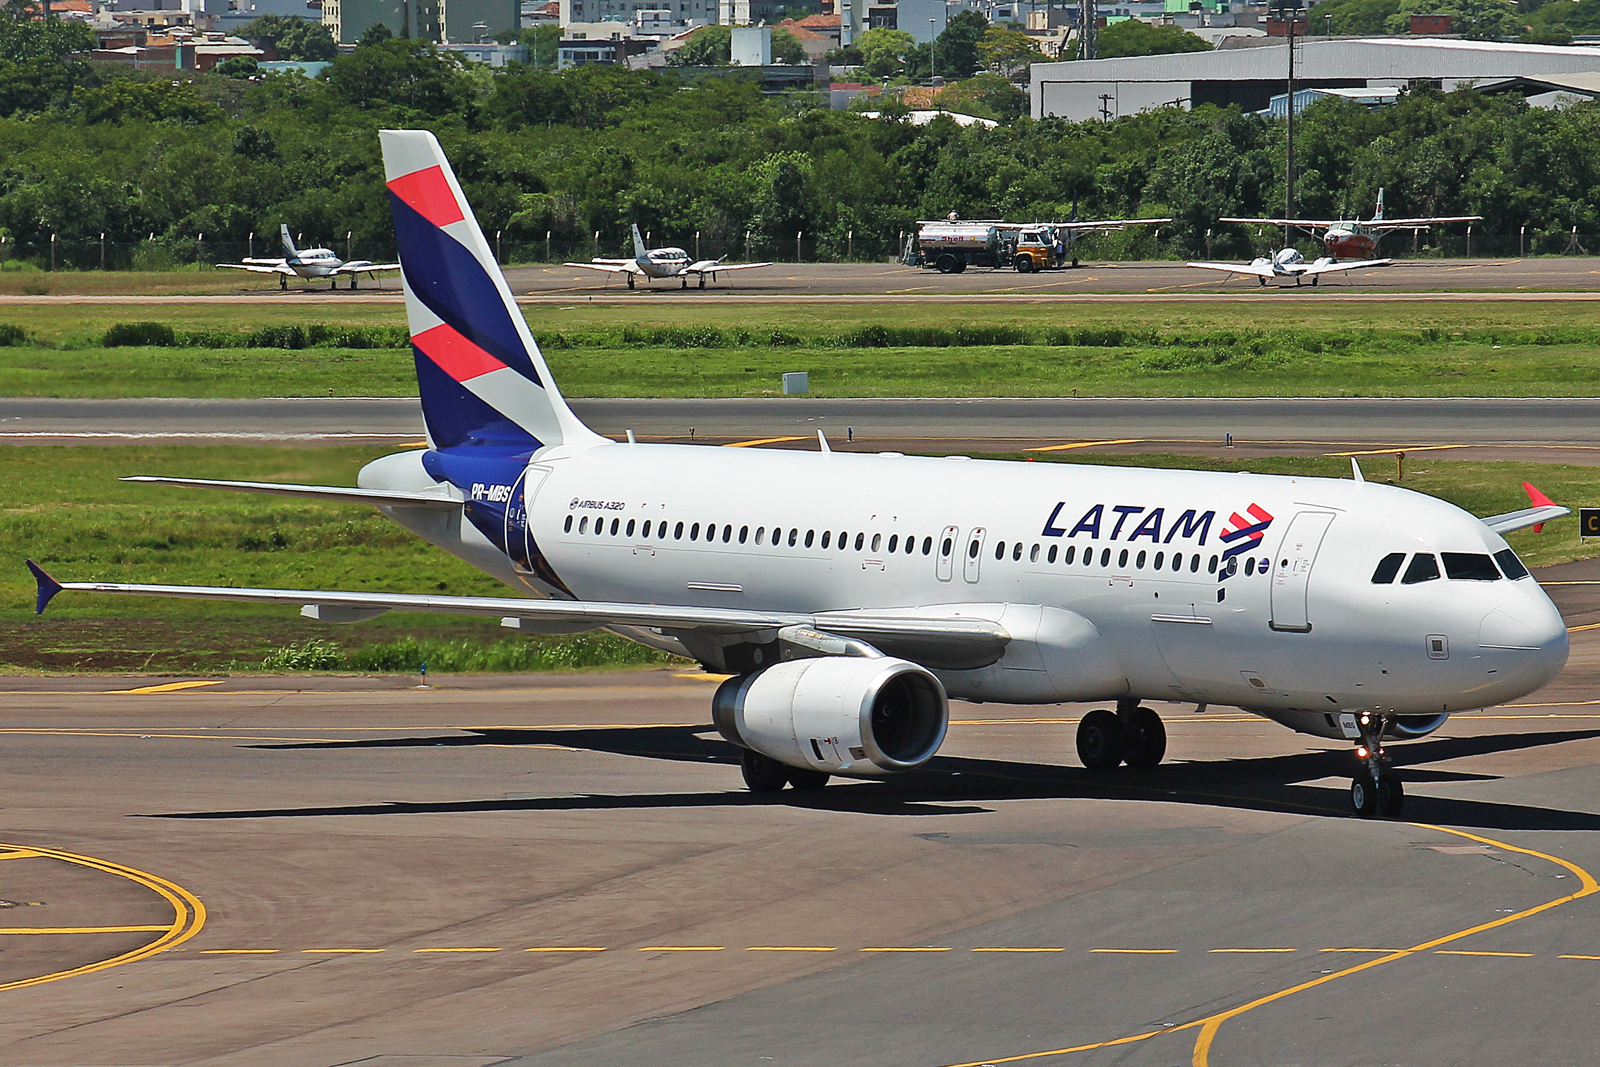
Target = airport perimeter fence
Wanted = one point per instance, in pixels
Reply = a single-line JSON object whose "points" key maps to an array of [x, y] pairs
{"points": [[200, 252]]}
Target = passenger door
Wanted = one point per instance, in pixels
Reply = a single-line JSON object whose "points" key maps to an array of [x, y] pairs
{"points": [[1292, 571]]}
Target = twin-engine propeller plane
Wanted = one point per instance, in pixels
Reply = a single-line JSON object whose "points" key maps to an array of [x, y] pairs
{"points": [[653, 264], [1354, 238], [850, 596], [1289, 263], [309, 263]]}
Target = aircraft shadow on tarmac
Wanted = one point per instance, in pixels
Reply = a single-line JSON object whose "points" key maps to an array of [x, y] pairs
{"points": [[949, 785]]}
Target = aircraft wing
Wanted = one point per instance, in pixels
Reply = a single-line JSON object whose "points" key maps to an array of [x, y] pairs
{"points": [[260, 268], [380, 497], [959, 642], [1238, 268], [1106, 224], [712, 266], [610, 266], [1518, 520], [1309, 224], [361, 266], [1312, 269]]}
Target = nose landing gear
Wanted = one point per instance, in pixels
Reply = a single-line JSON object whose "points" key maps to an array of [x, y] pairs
{"points": [[1376, 788]]}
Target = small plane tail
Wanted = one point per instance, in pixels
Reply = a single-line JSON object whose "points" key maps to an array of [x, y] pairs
{"points": [[480, 375], [289, 250], [639, 250], [1378, 216]]}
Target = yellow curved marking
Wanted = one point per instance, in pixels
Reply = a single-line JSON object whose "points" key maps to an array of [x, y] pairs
{"points": [[188, 914], [1209, 1025]]}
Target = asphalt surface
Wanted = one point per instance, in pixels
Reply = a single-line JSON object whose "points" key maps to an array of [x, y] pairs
{"points": [[1542, 430], [565, 871], [1576, 277]]}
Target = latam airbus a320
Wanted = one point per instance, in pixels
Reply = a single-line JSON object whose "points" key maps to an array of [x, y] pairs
{"points": [[850, 596]]}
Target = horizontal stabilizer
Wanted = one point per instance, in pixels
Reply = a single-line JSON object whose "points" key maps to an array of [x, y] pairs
{"points": [[383, 497]]}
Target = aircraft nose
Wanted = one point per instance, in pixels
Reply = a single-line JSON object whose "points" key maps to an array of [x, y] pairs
{"points": [[1528, 636]]}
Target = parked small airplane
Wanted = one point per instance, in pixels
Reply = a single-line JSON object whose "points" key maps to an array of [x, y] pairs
{"points": [[1354, 238], [308, 263], [1289, 263], [654, 263]]}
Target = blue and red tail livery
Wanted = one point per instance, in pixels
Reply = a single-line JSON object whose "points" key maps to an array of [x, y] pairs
{"points": [[480, 374]]}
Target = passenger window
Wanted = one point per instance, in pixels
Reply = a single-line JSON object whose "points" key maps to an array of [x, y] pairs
{"points": [[1122, 558], [877, 539], [1016, 551], [1423, 568], [677, 533], [794, 532], [1050, 556], [810, 536], [1139, 561], [1469, 567], [1510, 564], [1388, 567], [566, 527]]}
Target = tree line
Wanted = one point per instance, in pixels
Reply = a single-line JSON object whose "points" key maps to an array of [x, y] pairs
{"points": [[86, 151]]}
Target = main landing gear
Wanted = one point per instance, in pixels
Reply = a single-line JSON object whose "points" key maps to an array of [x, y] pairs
{"points": [[1376, 788], [1132, 734], [765, 775]]}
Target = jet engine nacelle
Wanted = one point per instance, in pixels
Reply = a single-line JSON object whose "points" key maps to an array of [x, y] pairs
{"points": [[850, 715]]}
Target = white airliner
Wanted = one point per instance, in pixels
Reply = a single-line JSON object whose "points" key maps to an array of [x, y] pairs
{"points": [[1289, 263], [850, 596], [655, 263], [308, 263]]}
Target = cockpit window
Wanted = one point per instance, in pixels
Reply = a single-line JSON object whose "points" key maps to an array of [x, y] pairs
{"points": [[1424, 568], [1388, 567], [1469, 567], [1510, 564]]}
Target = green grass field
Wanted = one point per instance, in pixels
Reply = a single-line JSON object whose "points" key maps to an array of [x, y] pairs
{"points": [[1394, 349], [65, 508]]}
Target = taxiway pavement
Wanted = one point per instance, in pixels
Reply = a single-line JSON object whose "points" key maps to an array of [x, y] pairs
{"points": [[561, 871], [1532, 430]]}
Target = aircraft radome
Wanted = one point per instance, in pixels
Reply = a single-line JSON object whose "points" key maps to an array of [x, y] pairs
{"points": [[850, 595]]}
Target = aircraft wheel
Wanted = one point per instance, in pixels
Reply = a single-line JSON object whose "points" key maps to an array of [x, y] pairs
{"points": [[1147, 737], [947, 264], [1102, 740], [1364, 794], [1391, 795], [807, 780], [761, 773]]}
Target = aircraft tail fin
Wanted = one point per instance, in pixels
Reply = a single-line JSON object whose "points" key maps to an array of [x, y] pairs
{"points": [[481, 377], [289, 250], [1378, 217], [639, 250]]}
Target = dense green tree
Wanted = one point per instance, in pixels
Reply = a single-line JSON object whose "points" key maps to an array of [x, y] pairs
{"points": [[1133, 37], [297, 38]]}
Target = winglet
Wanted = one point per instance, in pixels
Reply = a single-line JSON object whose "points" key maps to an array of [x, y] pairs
{"points": [[1538, 500], [1355, 469], [48, 587]]}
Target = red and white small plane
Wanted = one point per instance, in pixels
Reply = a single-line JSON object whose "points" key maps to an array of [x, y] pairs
{"points": [[653, 263], [1354, 239]]}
